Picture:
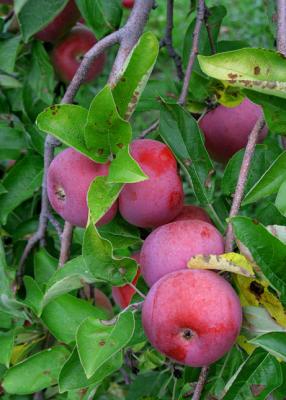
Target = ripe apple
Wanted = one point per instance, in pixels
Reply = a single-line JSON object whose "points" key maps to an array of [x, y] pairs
{"points": [[192, 316], [122, 295], [159, 199], [63, 22], [226, 130], [128, 3], [69, 52], [69, 177], [193, 212], [169, 247]]}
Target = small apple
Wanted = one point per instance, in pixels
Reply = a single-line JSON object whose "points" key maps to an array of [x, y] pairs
{"points": [[192, 316], [63, 22], [128, 3], [122, 295], [69, 52], [193, 212], [69, 177]]}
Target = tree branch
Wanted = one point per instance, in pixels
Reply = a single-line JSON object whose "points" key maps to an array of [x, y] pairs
{"points": [[194, 52], [65, 244], [201, 383], [55, 224], [209, 31], [239, 191], [151, 128], [281, 26], [168, 40]]}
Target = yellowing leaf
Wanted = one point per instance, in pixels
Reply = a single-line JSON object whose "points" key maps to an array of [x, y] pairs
{"points": [[253, 292], [245, 345], [231, 262]]}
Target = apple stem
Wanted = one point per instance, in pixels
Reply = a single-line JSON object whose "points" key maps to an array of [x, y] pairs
{"points": [[167, 40], [65, 244], [242, 179], [137, 290], [152, 128], [193, 53]]}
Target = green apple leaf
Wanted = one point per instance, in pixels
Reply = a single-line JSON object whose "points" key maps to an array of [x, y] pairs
{"points": [[12, 142], [260, 70], [63, 316], [8, 53], [124, 169], [98, 341], [34, 295], [280, 201], [72, 375], [9, 82], [5, 281], [101, 195], [273, 342], [260, 371], [267, 251], [258, 321], [31, 16], [135, 74], [99, 260], [6, 347], [36, 372], [270, 181], [44, 266], [102, 16], [21, 183]]}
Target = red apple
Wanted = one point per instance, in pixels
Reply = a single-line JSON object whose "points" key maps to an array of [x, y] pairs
{"points": [[226, 130], [193, 212], [123, 295], [128, 3], [68, 53], [192, 316], [69, 177], [63, 22]]}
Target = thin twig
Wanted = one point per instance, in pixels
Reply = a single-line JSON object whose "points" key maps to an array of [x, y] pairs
{"points": [[55, 224], [242, 179], [137, 290], [281, 26], [167, 41], [152, 128], [201, 382], [66, 244], [209, 31], [194, 52]]}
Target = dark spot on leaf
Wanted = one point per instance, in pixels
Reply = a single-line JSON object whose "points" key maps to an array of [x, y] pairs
{"points": [[82, 392], [101, 343], [256, 390], [177, 373], [255, 222], [232, 77], [120, 145], [209, 178], [100, 151], [47, 372], [256, 288], [256, 70], [123, 79]]}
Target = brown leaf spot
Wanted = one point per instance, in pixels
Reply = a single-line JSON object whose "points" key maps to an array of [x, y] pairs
{"points": [[101, 343], [256, 390], [120, 145], [256, 288], [256, 70]]}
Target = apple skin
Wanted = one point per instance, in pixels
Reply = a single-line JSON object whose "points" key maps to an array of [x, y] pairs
{"points": [[69, 177], [193, 212], [63, 22], [103, 302], [159, 199], [169, 247], [67, 54], [192, 316], [226, 130], [128, 3], [122, 295]]}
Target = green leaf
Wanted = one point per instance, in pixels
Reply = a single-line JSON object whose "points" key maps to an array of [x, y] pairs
{"points": [[36, 372], [260, 371], [63, 316], [21, 183], [280, 201], [135, 74], [66, 122], [34, 295], [101, 195], [120, 233], [71, 276], [273, 342], [44, 266], [260, 70], [9, 82], [6, 347], [32, 18], [263, 156], [5, 284], [12, 142], [72, 375], [267, 251], [102, 16], [257, 321], [99, 260], [270, 181], [2, 189], [105, 131], [124, 169], [97, 341], [8, 53]]}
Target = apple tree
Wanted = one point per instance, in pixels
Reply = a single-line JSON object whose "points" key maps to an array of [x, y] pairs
{"points": [[142, 201]]}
